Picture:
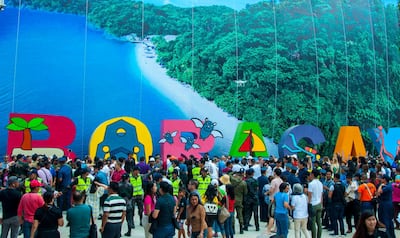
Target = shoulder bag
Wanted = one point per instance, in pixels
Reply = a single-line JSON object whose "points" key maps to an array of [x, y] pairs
{"points": [[93, 226], [374, 200], [223, 212]]}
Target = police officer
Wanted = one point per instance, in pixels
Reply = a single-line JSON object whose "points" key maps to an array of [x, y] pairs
{"points": [[32, 176], [176, 182], [83, 182], [204, 180], [136, 181]]}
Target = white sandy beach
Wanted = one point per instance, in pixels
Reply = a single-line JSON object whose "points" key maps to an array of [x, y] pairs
{"points": [[189, 101]]}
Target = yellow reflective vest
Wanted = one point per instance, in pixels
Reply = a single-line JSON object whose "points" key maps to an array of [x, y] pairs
{"points": [[203, 184], [137, 185], [83, 184], [175, 185], [196, 172], [27, 185]]}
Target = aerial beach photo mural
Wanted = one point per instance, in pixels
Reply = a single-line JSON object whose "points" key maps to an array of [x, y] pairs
{"points": [[279, 64]]}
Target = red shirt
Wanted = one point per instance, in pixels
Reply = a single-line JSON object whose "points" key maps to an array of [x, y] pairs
{"points": [[117, 175], [28, 205], [231, 204]]}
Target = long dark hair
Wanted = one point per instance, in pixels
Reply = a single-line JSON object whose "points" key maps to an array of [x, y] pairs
{"points": [[148, 190], [230, 191], [210, 193], [361, 230]]}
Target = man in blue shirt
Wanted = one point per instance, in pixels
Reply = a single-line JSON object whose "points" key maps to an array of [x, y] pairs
{"points": [[64, 179]]}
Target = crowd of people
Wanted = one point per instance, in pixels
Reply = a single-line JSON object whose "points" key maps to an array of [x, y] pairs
{"points": [[200, 197]]}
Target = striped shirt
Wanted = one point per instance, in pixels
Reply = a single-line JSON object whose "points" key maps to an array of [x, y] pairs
{"points": [[115, 206]]}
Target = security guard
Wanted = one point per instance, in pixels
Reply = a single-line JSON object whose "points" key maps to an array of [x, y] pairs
{"points": [[204, 180], [83, 182], [32, 176], [136, 181], [176, 182], [196, 170]]}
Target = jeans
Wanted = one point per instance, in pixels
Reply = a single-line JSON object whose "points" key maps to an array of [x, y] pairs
{"points": [[219, 227], [316, 219], [27, 226], [282, 225], [337, 216], [367, 206], [167, 231], [10, 223], [385, 215], [228, 225]]}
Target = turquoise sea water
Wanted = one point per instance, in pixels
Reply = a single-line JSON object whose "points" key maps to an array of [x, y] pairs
{"points": [[49, 76]]}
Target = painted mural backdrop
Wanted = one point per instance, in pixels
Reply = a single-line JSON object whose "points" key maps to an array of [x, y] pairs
{"points": [[158, 73]]}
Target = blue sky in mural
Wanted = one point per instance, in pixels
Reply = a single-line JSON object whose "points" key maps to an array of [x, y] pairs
{"points": [[50, 51]]}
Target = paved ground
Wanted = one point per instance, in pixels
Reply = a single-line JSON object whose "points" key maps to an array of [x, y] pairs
{"points": [[139, 233]]}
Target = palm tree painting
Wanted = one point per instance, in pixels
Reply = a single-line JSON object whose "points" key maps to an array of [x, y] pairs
{"points": [[20, 124]]}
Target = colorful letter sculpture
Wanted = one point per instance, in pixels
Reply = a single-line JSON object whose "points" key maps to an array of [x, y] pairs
{"points": [[120, 136], [288, 144], [54, 134], [387, 144], [248, 140], [187, 137], [350, 143]]}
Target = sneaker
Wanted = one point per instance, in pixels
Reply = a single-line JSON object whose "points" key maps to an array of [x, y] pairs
{"points": [[127, 234]]}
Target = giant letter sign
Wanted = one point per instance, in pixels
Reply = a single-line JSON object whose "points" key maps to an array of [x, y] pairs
{"points": [[350, 143], [187, 137], [55, 133], [290, 139], [386, 144], [248, 140], [120, 136]]}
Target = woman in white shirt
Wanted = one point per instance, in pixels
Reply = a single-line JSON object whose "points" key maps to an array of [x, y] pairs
{"points": [[300, 211]]}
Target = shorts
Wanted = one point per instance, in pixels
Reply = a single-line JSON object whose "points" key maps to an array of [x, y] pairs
{"points": [[210, 219], [181, 224]]}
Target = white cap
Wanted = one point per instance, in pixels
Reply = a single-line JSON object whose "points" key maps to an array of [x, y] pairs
{"points": [[214, 182], [152, 159]]}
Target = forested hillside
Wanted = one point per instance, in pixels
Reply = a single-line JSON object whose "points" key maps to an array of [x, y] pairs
{"points": [[329, 63]]}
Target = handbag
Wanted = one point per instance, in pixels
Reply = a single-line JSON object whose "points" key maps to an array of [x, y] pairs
{"points": [[271, 209], [223, 214], [93, 226], [153, 224], [175, 223]]}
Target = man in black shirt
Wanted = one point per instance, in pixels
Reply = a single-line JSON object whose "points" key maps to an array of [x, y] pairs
{"points": [[251, 200], [10, 198], [336, 195]]}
